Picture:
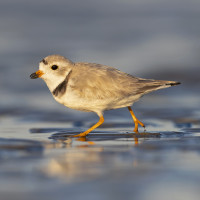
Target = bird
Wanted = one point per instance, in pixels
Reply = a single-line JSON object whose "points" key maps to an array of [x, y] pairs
{"points": [[92, 87]]}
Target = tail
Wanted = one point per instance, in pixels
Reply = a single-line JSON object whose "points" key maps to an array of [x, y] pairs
{"points": [[150, 85], [166, 84], [173, 83]]}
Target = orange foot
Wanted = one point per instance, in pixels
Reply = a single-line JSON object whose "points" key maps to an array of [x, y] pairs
{"points": [[136, 121], [101, 120]]}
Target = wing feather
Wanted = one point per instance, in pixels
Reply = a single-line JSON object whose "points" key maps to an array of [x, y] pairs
{"points": [[90, 80]]}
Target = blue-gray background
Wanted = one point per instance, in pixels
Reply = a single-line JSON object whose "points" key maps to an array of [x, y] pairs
{"points": [[147, 38]]}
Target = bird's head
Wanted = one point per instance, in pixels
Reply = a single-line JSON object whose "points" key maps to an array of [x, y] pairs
{"points": [[53, 69]]}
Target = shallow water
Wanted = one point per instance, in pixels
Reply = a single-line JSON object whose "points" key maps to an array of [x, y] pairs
{"points": [[39, 160]]}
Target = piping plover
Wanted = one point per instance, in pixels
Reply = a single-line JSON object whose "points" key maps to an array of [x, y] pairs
{"points": [[93, 87]]}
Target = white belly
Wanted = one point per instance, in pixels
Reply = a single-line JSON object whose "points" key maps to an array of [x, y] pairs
{"points": [[72, 101]]}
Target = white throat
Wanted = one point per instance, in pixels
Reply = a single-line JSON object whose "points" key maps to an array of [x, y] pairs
{"points": [[53, 81]]}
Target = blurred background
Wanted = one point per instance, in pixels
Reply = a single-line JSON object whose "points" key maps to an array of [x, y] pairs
{"points": [[147, 38]]}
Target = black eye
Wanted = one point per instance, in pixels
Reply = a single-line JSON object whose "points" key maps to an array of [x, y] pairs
{"points": [[54, 67]]}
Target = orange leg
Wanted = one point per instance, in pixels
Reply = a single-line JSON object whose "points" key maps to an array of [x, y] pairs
{"points": [[136, 121], [101, 120]]}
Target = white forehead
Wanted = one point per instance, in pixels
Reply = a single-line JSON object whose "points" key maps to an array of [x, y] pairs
{"points": [[55, 59]]}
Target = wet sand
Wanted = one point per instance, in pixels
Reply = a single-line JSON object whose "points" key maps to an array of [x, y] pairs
{"points": [[40, 161]]}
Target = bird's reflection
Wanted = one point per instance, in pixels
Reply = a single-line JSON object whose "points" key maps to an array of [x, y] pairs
{"points": [[136, 143], [85, 156], [65, 140]]}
